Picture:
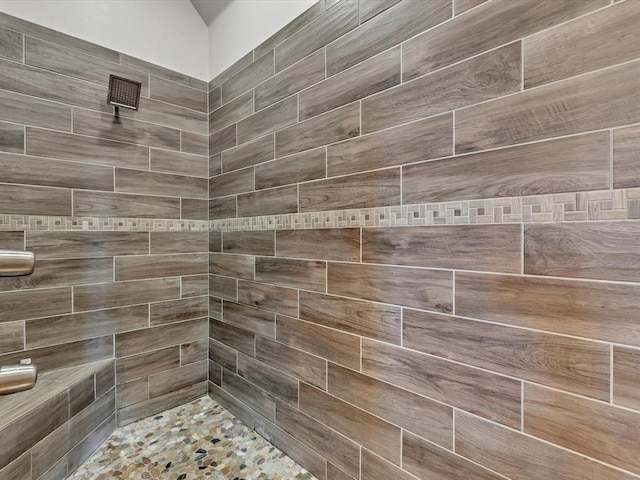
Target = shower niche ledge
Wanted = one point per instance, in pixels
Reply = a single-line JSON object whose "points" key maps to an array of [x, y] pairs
{"points": [[50, 430]]}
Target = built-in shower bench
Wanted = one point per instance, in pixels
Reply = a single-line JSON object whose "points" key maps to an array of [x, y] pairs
{"points": [[48, 431]]}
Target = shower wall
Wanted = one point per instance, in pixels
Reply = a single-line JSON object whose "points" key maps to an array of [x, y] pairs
{"points": [[115, 210], [425, 234]]}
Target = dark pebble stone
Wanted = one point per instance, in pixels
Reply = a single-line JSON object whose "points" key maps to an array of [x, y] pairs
{"points": [[215, 440], [200, 450], [202, 467], [182, 477], [243, 466], [168, 465]]}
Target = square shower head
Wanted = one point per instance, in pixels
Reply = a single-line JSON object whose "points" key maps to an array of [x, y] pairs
{"points": [[123, 92]]}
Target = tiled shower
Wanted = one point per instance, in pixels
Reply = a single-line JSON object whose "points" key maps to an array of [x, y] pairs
{"points": [[399, 239]]}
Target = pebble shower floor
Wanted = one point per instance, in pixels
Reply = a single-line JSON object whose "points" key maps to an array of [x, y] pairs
{"points": [[199, 440]]}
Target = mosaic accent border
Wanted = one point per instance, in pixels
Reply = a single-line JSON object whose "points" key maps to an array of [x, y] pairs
{"points": [[550, 208], [44, 222]]}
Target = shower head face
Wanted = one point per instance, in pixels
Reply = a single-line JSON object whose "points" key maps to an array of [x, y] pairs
{"points": [[124, 93]]}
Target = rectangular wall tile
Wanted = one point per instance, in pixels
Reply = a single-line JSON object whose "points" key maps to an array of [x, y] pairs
{"points": [[178, 310], [248, 154], [300, 167], [247, 78], [376, 468], [222, 208], [12, 240], [371, 8], [135, 267], [194, 209], [106, 295], [234, 337], [626, 385], [178, 163], [486, 394], [260, 242], [178, 242], [51, 245], [124, 205], [305, 274], [269, 297], [34, 303], [363, 190], [271, 380], [169, 115], [626, 145], [151, 183], [273, 201], [421, 140], [526, 302], [574, 365], [11, 45], [304, 366], [177, 94], [239, 266], [267, 120], [154, 338], [28, 200], [554, 166], [232, 70], [34, 111], [246, 392], [194, 143], [232, 183], [411, 287], [373, 320], [12, 337], [231, 113], [487, 76], [177, 379], [340, 244], [249, 318], [223, 355], [223, 287], [11, 138]]}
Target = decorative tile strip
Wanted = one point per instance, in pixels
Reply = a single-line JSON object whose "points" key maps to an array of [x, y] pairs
{"points": [[44, 222], [557, 207]]}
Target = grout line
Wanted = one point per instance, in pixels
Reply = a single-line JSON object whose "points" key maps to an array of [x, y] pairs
{"points": [[611, 374]]}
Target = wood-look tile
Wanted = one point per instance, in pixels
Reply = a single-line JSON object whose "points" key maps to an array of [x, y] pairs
{"points": [[273, 201], [162, 72], [223, 287], [55, 173], [89, 419], [231, 183], [145, 364], [410, 287], [132, 392], [363, 190], [371, 8], [193, 352], [27, 110], [159, 404], [215, 164], [178, 378], [152, 183], [229, 265], [11, 45], [269, 119], [626, 377], [231, 71], [626, 157], [13, 241], [424, 417], [18, 469], [599, 100], [377, 468], [107, 126], [222, 208], [248, 154], [231, 113], [223, 355], [169, 115], [369, 77], [215, 373], [154, 338], [46, 143], [468, 35], [515, 455], [11, 138], [65, 355], [107, 295], [272, 380], [338, 347], [103, 204], [269, 297], [607, 37], [51, 86], [48, 453], [223, 139], [246, 79], [300, 167], [304, 274], [194, 143], [28, 200], [178, 242], [598, 430], [178, 310], [390, 28], [136, 267], [571, 307], [330, 127], [334, 473], [256, 398], [491, 248], [306, 367], [195, 285], [236, 338], [373, 320], [291, 80], [606, 251], [55, 245], [426, 460], [81, 395], [178, 163], [215, 99], [82, 326], [421, 140], [34, 303], [194, 209], [461, 6], [337, 448], [177, 94], [341, 244], [483, 393], [75, 63], [105, 378], [258, 242], [562, 165], [316, 34], [290, 28], [369, 431], [249, 318], [12, 337], [481, 78], [215, 308], [574, 365]]}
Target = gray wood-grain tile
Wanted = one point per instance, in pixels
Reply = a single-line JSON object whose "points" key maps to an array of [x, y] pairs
{"points": [[273, 201], [194, 209], [21, 305], [27, 110], [195, 285], [231, 265], [215, 99], [12, 336], [222, 208], [247, 78], [461, 6], [371, 8], [300, 167], [178, 242], [177, 378], [178, 310], [11, 138], [626, 387], [626, 157], [11, 45], [164, 184], [223, 139], [269, 297], [154, 338], [28, 200], [231, 71], [267, 120], [341, 244], [248, 154], [231, 112], [259, 242], [223, 287], [232, 183], [177, 94], [145, 364], [107, 295], [306, 274], [253, 319], [178, 163], [169, 115], [223, 355], [194, 143], [105, 204], [135, 267], [270, 379], [158, 71], [237, 338], [254, 397]]}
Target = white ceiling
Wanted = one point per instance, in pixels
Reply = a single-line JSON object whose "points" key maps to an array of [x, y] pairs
{"points": [[210, 9]]}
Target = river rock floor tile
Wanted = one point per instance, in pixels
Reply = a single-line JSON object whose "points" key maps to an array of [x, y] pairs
{"points": [[199, 440]]}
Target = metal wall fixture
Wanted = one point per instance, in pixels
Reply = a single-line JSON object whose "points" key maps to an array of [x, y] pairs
{"points": [[14, 263], [124, 93], [16, 378]]}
